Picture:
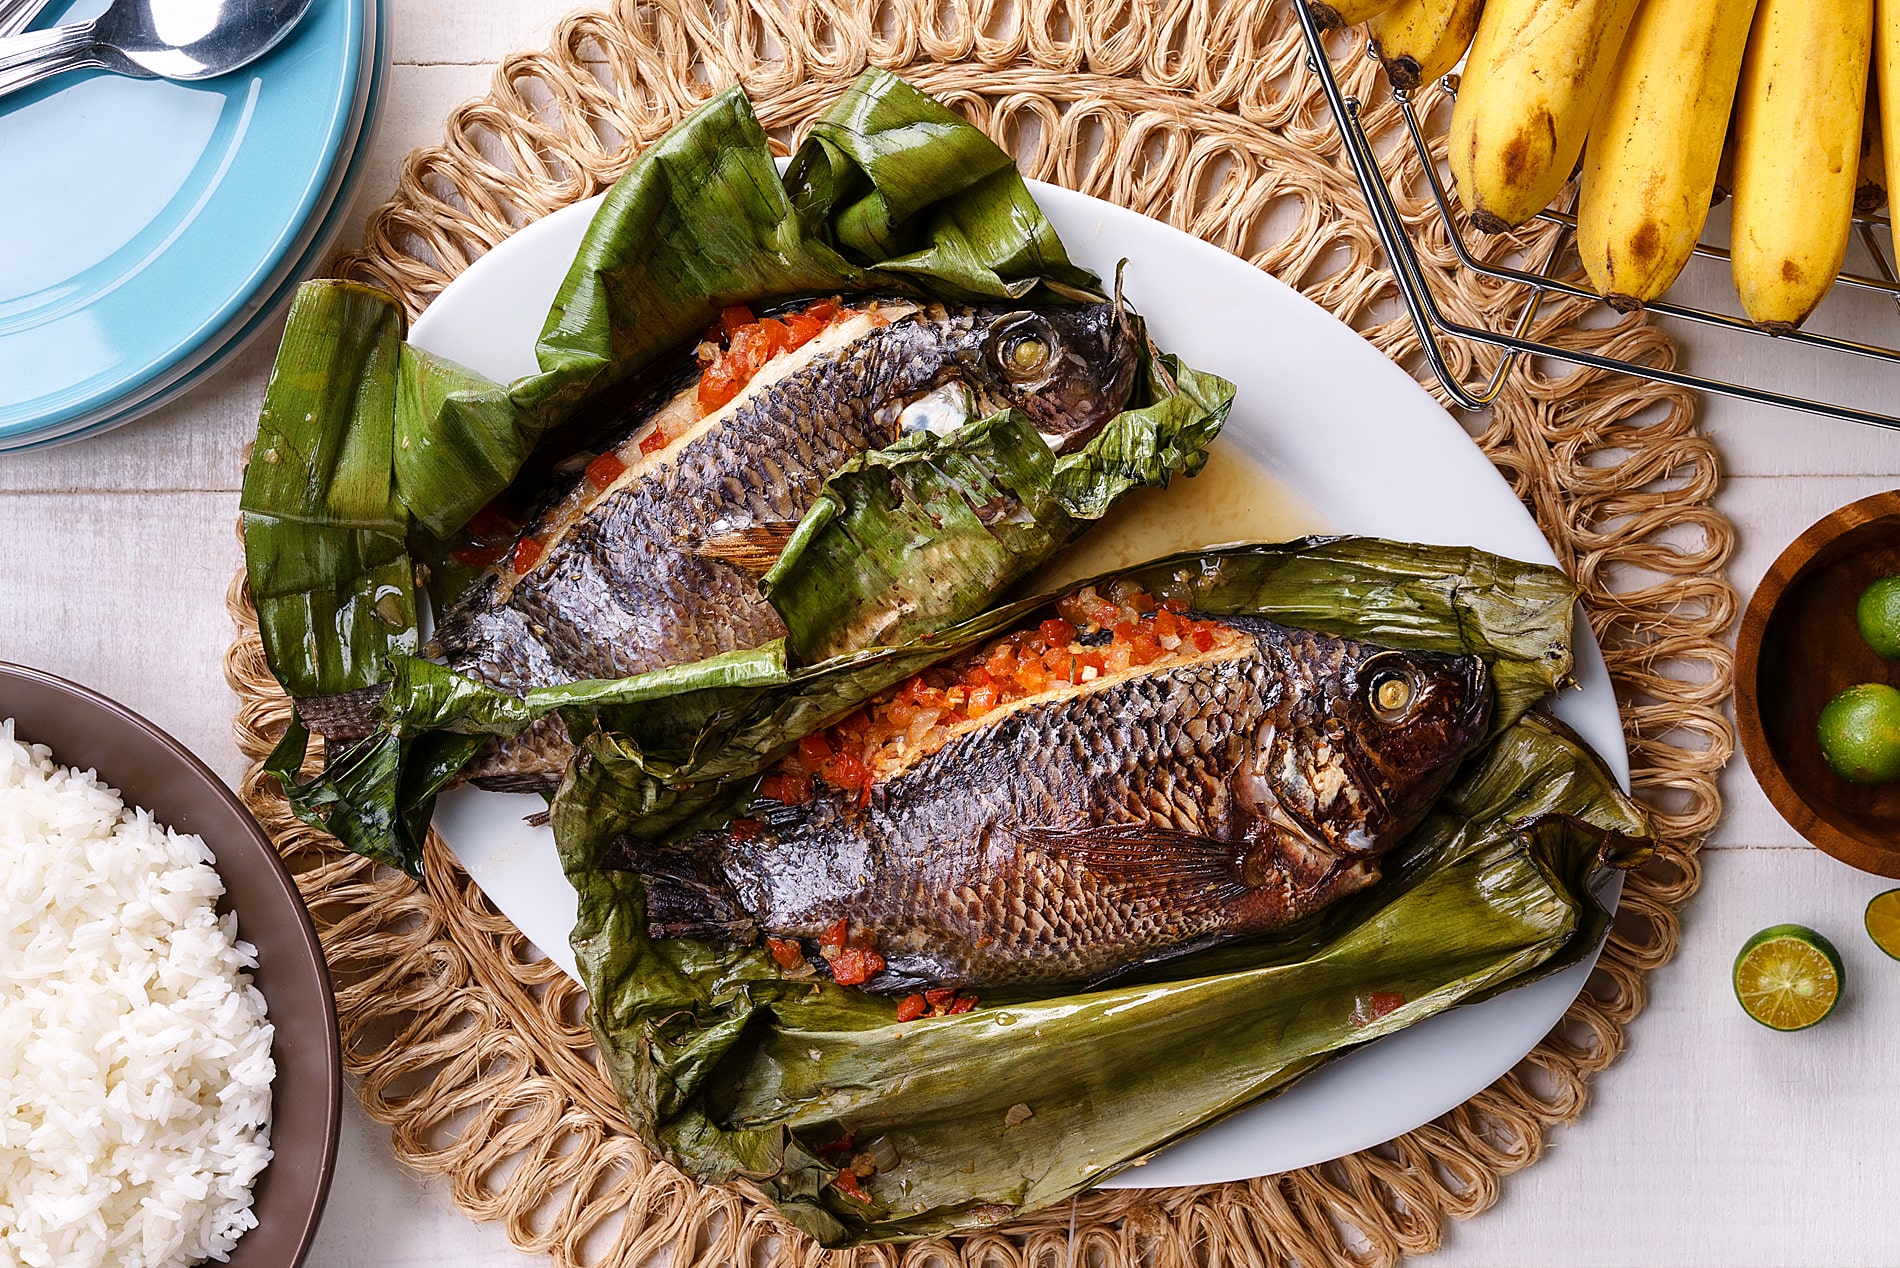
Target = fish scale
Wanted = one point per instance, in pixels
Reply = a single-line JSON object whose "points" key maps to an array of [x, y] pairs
{"points": [[1066, 838]]}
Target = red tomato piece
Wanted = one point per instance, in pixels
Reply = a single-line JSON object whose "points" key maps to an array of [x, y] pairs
{"points": [[1058, 633], [940, 996], [786, 952], [1202, 638], [856, 966], [803, 329], [719, 384], [744, 829], [527, 550], [1382, 1002], [1167, 625], [732, 318], [772, 787], [492, 521], [847, 1183], [797, 790], [835, 936], [477, 556], [654, 441], [911, 1008], [825, 310], [605, 469], [813, 750], [962, 1005]]}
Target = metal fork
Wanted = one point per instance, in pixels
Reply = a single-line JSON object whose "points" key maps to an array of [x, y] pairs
{"points": [[17, 15]]}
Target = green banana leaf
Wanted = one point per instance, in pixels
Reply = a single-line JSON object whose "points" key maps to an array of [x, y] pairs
{"points": [[375, 454], [732, 1071]]}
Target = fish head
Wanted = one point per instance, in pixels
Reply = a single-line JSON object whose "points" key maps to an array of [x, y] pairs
{"points": [[1069, 369], [1352, 761]]}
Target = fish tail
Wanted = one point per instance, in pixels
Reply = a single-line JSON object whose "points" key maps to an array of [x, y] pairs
{"points": [[688, 895], [347, 715]]}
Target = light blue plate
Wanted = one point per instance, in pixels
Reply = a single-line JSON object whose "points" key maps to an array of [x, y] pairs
{"points": [[144, 217], [255, 317]]}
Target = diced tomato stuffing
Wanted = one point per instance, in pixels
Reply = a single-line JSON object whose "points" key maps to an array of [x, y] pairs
{"points": [[911, 1007], [527, 551], [1094, 635], [856, 966], [834, 937], [961, 1005], [786, 953], [940, 996], [750, 343], [477, 556], [847, 1183], [604, 470], [653, 442], [743, 830]]}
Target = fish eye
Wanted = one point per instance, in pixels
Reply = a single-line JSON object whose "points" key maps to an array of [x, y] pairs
{"points": [[1021, 347], [1391, 694], [1026, 356]]}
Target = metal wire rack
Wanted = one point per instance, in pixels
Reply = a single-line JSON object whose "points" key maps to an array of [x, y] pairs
{"points": [[1534, 287]]}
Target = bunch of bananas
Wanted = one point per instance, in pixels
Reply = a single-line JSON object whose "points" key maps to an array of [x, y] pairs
{"points": [[1672, 106]]}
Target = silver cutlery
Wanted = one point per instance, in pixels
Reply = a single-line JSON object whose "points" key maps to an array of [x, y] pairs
{"points": [[169, 39]]}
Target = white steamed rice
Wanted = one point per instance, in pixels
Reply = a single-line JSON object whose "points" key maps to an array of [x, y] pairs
{"points": [[135, 1065]]}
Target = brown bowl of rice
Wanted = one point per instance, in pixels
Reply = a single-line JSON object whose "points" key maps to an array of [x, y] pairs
{"points": [[170, 1079]]}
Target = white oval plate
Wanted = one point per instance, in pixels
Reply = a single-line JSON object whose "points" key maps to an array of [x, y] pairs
{"points": [[1366, 447]]}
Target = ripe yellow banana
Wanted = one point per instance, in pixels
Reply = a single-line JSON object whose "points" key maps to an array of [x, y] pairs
{"points": [[1420, 40], [1797, 146], [1886, 89], [1536, 72], [1649, 168], [1870, 187], [1333, 14]]}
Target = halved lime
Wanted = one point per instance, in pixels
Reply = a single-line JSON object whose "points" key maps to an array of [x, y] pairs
{"points": [[1883, 921], [1788, 977]]}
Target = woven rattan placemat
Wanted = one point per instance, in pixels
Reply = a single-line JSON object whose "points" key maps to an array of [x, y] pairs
{"points": [[473, 1048]]}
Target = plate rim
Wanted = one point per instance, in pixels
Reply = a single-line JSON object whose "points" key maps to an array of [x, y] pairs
{"points": [[20, 427]]}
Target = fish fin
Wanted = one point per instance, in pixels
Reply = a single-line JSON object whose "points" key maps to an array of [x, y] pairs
{"points": [[752, 551], [687, 896], [1150, 855]]}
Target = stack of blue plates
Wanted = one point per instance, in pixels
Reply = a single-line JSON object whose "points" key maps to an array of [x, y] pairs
{"points": [[149, 229]]}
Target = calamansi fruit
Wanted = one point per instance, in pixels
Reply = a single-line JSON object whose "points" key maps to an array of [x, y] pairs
{"points": [[1860, 733], [1883, 921], [1878, 615], [1788, 977]]}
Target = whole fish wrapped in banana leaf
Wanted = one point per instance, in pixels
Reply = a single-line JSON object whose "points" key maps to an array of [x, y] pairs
{"points": [[1125, 786], [647, 551]]}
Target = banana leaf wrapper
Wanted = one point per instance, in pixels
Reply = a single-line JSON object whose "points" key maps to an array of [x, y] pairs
{"points": [[372, 454], [735, 1073]]}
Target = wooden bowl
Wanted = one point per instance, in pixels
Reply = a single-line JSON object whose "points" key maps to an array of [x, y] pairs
{"points": [[1799, 646]]}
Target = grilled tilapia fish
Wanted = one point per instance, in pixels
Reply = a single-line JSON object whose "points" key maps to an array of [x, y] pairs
{"points": [[1228, 787], [647, 552]]}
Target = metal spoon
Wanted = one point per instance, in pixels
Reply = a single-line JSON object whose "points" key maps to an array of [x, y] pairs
{"points": [[172, 39], [17, 15]]}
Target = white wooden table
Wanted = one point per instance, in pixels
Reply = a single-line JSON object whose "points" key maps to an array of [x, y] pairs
{"points": [[1711, 1141]]}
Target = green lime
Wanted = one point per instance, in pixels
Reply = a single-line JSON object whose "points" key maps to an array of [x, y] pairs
{"points": [[1788, 977], [1860, 733], [1883, 921], [1878, 614]]}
